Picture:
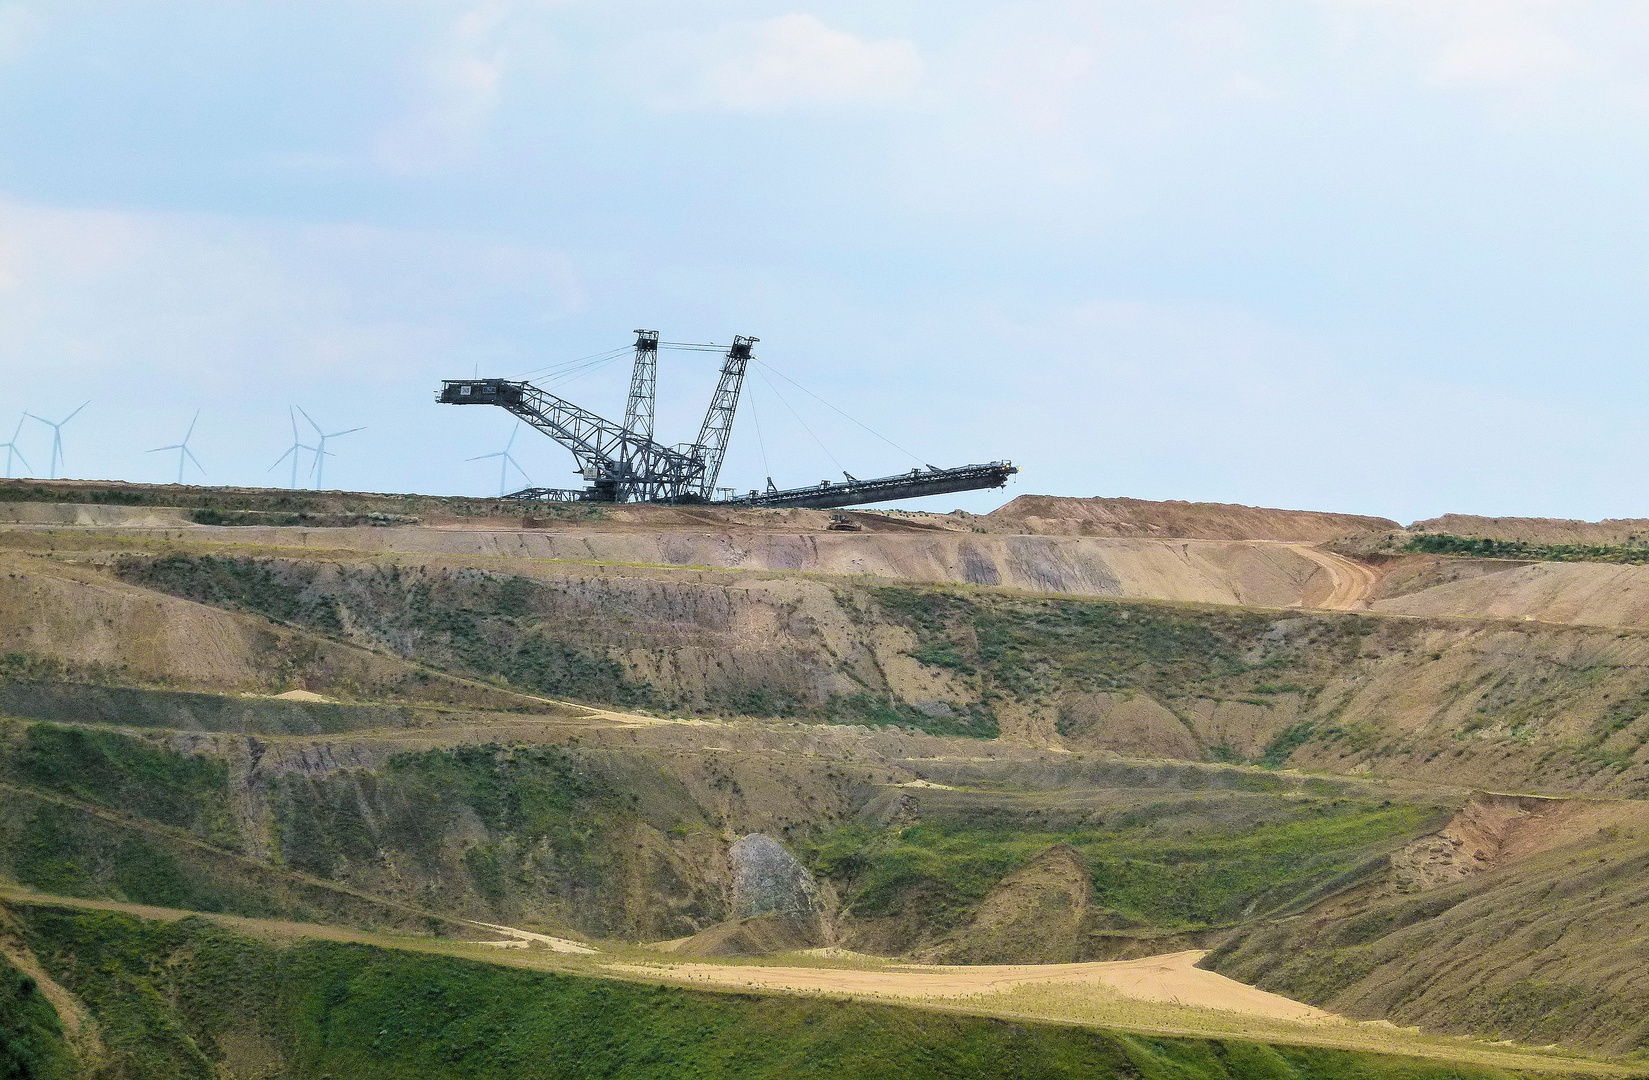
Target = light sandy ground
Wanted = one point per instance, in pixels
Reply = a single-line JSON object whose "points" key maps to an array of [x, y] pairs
{"points": [[1353, 582], [523, 939], [300, 695], [1167, 979]]}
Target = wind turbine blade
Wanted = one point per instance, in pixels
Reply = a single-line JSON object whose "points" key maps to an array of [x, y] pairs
{"points": [[514, 431], [20, 457], [483, 457], [158, 449], [312, 423], [335, 434], [280, 459], [19, 430], [191, 430], [195, 459], [72, 415]]}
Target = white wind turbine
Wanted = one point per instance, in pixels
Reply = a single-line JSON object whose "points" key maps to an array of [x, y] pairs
{"points": [[11, 447], [320, 450], [506, 460], [292, 452], [57, 435], [183, 451]]}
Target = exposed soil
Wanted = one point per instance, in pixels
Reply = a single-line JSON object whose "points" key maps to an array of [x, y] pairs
{"points": [[1170, 979], [1538, 530], [1047, 514]]}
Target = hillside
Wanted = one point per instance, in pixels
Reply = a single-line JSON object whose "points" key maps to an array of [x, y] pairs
{"points": [[1051, 515], [1538, 530], [972, 740]]}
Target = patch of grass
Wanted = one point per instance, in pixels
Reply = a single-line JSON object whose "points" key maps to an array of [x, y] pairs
{"points": [[495, 626], [127, 774], [1170, 866], [281, 591], [1478, 547], [61, 851], [1037, 649], [1283, 746], [32, 1046], [973, 720], [168, 996]]}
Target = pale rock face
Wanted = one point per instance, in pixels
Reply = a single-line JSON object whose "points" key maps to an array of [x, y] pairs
{"points": [[768, 880]]}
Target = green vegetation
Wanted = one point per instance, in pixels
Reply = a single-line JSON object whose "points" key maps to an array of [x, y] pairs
{"points": [[175, 1000], [1033, 650], [1181, 865], [125, 774], [492, 625], [540, 827], [1446, 544], [214, 516], [31, 1038], [280, 591], [973, 720]]}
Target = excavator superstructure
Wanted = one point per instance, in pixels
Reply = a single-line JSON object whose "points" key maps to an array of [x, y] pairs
{"points": [[623, 463]]}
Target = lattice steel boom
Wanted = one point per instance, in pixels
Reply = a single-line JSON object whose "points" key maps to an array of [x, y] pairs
{"points": [[620, 465], [638, 409], [718, 420]]}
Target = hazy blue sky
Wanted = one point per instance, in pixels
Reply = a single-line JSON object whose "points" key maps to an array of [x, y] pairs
{"points": [[1384, 256]]}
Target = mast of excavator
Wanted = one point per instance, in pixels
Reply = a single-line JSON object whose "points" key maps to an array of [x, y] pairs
{"points": [[718, 421], [638, 412]]}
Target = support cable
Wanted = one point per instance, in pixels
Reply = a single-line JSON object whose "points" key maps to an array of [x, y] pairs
{"points": [[755, 414], [827, 404], [799, 420], [570, 363]]}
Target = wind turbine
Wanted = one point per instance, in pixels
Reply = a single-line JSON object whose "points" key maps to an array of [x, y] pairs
{"points": [[320, 451], [293, 451], [57, 435], [11, 447], [183, 450], [506, 462]]}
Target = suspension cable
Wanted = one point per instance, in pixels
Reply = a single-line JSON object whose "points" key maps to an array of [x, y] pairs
{"points": [[799, 420], [822, 401], [755, 414]]}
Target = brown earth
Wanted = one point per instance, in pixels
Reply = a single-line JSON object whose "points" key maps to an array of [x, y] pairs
{"points": [[1047, 514], [1538, 530]]}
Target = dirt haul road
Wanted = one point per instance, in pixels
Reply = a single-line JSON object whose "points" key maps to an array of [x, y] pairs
{"points": [[1170, 979]]}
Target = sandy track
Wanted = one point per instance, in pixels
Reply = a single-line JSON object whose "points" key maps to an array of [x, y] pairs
{"points": [[1170, 979], [1353, 583]]}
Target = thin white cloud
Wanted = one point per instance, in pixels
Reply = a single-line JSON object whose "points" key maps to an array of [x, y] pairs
{"points": [[458, 94], [1487, 44], [792, 61]]}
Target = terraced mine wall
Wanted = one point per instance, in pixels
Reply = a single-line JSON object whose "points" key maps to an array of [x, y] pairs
{"points": [[1478, 703]]}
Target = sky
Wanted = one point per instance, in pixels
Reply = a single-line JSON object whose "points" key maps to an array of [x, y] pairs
{"points": [[1375, 256]]}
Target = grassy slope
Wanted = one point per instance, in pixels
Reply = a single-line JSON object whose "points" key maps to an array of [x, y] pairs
{"points": [[32, 1046], [1180, 865], [543, 837], [1546, 949], [181, 999]]}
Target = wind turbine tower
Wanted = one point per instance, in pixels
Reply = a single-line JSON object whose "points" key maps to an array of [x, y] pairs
{"points": [[506, 461], [292, 452], [57, 436], [11, 447], [183, 451], [320, 450]]}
